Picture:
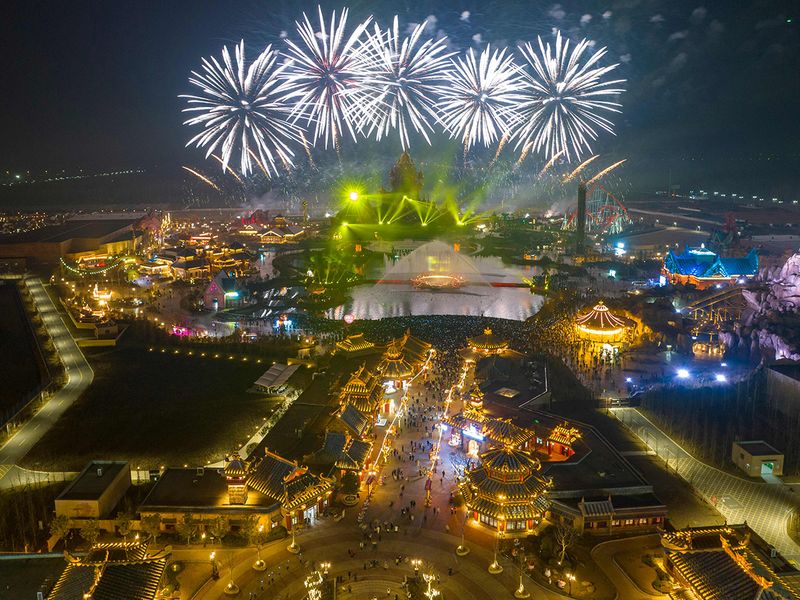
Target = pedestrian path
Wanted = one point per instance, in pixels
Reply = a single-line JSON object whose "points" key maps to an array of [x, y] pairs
{"points": [[765, 508]]}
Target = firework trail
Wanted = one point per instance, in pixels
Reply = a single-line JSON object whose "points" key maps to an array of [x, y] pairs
{"points": [[228, 168], [240, 108], [605, 172], [478, 103], [550, 163], [564, 98], [401, 81], [321, 68], [203, 178], [579, 168]]}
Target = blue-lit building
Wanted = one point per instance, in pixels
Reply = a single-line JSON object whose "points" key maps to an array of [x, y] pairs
{"points": [[703, 268]]}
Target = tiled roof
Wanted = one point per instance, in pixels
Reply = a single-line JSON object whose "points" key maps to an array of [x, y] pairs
{"points": [[699, 262], [564, 434], [355, 420], [355, 343], [343, 452], [112, 572], [286, 482]]}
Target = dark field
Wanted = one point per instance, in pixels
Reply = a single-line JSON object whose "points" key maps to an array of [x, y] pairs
{"points": [[156, 409], [19, 371]]}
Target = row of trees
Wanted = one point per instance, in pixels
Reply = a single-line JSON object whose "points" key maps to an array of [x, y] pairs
{"points": [[25, 511]]}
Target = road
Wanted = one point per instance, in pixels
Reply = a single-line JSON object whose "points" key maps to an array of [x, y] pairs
{"points": [[604, 555], [79, 377], [766, 508]]}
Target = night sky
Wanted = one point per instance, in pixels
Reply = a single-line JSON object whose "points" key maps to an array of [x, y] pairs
{"points": [[713, 86]]}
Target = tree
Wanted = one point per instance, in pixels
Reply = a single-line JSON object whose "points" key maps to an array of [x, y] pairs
{"points": [[124, 521], [60, 527], [564, 535], [350, 483], [151, 525], [187, 527], [249, 529], [218, 527], [90, 531]]}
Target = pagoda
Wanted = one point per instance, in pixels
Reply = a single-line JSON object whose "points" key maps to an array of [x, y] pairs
{"points": [[506, 492]]}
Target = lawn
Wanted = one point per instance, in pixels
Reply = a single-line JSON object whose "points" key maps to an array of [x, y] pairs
{"points": [[19, 369], [155, 409]]}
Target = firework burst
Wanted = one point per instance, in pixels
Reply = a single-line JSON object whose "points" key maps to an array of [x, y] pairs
{"points": [[241, 110], [321, 75], [478, 103], [401, 82], [564, 99]]}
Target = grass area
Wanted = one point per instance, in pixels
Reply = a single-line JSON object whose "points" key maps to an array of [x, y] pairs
{"points": [[19, 369], [23, 578], [155, 409]]}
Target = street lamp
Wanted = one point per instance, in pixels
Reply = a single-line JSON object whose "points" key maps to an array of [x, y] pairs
{"points": [[214, 568], [259, 565], [462, 549], [416, 564], [293, 547], [570, 578], [496, 568], [521, 592]]}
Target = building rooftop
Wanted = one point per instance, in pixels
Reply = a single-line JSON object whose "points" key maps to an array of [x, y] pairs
{"points": [[186, 488], [93, 480], [758, 448]]}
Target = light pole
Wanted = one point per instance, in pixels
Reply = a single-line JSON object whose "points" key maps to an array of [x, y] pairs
{"points": [[521, 592], [293, 547], [462, 549], [570, 578], [259, 565], [496, 568], [214, 569]]}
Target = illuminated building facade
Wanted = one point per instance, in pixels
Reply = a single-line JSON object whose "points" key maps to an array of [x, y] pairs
{"points": [[506, 492], [703, 268]]}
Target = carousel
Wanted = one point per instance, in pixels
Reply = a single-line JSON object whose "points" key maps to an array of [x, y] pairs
{"points": [[601, 325], [506, 492]]}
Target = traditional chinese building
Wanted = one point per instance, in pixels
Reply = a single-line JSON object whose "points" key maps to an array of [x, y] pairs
{"points": [[601, 325], [506, 492], [703, 268], [341, 453], [108, 571], [487, 343], [728, 562], [363, 391], [355, 345], [395, 367]]}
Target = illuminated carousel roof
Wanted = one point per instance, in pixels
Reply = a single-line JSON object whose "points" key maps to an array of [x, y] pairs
{"points": [[600, 320], [488, 341]]}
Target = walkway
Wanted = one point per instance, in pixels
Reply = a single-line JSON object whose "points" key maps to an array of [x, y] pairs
{"points": [[766, 508], [79, 377]]}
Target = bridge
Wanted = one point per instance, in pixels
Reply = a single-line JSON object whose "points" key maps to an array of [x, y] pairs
{"points": [[723, 305]]}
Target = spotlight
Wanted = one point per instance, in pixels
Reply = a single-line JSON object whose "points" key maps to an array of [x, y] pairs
{"points": [[353, 196], [720, 377], [683, 373]]}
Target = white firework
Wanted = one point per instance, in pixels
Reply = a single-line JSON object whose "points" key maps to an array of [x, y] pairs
{"points": [[564, 99], [477, 104], [401, 83], [241, 110], [320, 70]]}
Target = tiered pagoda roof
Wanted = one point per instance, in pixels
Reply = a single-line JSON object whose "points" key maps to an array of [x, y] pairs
{"points": [[394, 364], [506, 485], [414, 350], [112, 571], [703, 263], [488, 342]]}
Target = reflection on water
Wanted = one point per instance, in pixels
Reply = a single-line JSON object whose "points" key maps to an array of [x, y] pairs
{"points": [[399, 300], [483, 293]]}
